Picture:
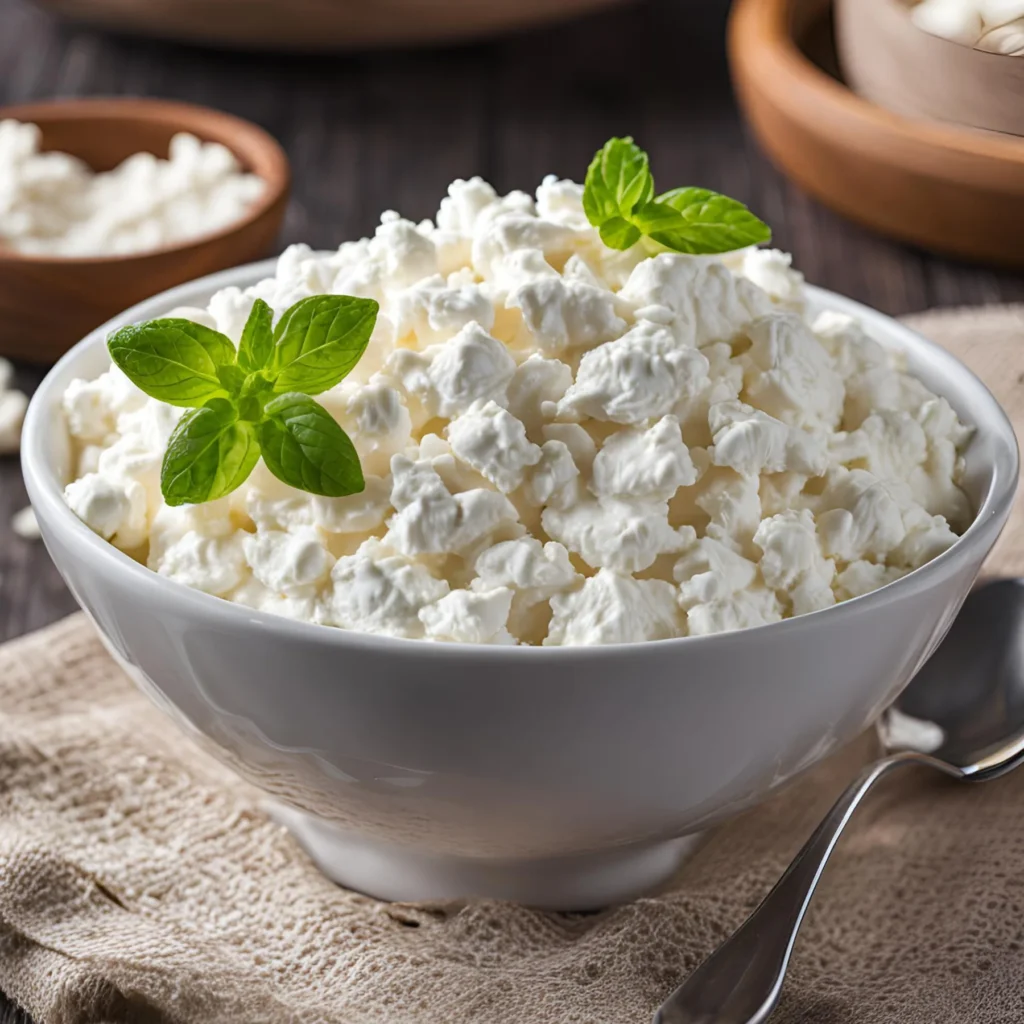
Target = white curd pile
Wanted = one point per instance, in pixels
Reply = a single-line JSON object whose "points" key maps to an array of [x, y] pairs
{"points": [[993, 25], [563, 444], [52, 204]]}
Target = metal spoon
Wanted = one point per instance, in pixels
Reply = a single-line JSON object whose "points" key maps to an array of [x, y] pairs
{"points": [[973, 689]]}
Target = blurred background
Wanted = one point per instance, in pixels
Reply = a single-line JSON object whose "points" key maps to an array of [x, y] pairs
{"points": [[368, 131]]}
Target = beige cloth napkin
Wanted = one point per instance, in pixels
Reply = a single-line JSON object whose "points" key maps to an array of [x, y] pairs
{"points": [[140, 883]]}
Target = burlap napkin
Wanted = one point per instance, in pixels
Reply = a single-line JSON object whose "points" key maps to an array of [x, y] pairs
{"points": [[140, 881]]}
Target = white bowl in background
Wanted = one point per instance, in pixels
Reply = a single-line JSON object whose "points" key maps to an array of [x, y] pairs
{"points": [[560, 777], [888, 60]]}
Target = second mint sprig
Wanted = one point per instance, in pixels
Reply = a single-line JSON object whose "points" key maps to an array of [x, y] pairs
{"points": [[253, 401], [619, 200]]}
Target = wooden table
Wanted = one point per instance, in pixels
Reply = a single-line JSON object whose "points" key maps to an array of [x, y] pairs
{"points": [[390, 130]]}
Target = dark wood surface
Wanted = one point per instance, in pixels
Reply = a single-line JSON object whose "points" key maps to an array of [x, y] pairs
{"points": [[390, 130]]}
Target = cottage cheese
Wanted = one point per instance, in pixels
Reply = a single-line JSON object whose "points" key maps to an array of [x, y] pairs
{"points": [[562, 444], [13, 404], [25, 525], [993, 25], [52, 204]]}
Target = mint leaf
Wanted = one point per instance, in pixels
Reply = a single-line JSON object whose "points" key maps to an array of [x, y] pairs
{"points": [[232, 378], [618, 199], [173, 360], [257, 341], [257, 390], [618, 180], [658, 217], [232, 393], [703, 222], [319, 340], [618, 233], [304, 446], [210, 453]]}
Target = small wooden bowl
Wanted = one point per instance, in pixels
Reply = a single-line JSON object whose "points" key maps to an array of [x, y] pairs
{"points": [[951, 189], [887, 59], [48, 303]]}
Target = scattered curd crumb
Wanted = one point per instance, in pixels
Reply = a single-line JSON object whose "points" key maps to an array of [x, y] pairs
{"points": [[25, 525], [904, 732], [13, 404]]}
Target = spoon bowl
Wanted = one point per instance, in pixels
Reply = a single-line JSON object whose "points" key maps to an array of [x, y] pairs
{"points": [[973, 686]]}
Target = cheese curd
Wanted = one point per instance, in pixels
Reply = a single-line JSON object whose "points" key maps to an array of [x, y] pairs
{"points": [[52, 204], [562, 444], [993, 25], [13, 404]]}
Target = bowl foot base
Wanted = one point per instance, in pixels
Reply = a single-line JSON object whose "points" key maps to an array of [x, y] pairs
{"points": [[402, 874]]}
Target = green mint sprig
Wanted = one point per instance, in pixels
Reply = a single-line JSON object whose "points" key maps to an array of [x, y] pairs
{"points": [[619, 200], [255, 400]]}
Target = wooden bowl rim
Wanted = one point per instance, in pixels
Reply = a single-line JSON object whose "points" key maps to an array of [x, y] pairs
{"points": [[190, 117], [761, 35]]}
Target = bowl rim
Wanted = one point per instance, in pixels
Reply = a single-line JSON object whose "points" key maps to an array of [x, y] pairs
{"points": [[190, 117], [47, 499]]}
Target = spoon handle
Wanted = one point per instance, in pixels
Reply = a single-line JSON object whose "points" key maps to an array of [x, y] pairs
{"points": [[740, 983]]}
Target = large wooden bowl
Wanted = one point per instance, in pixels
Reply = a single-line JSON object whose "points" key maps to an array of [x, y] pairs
{"points": [[954, 190], [48, 303], [309, 25]]}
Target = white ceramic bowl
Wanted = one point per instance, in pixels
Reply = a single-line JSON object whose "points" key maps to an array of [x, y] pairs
{"points": [[560, 777]]}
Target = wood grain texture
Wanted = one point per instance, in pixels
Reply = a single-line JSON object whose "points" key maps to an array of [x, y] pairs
{"points": [[948, 187], [391, 130], [48, 303]]}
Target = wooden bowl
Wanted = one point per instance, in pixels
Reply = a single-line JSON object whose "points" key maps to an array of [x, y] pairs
{"points": [[955, 190], [48, 303], [887, 59], [310, 25]]}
